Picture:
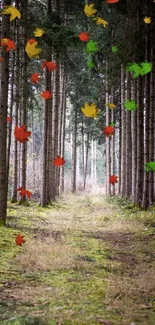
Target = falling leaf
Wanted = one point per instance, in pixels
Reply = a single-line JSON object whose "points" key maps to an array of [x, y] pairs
{"points": [[142, 69], [130, 105], [90, 110], [83, 36], [109, 130], [150, 166], [46, 94], [51, 66], [31, 48], [19, 240], [58, 161], [112, 1], [112, 124], [35, 78], [110, 105], [8, 119], [12, 11], [114, 49], [38, 32], [8, 43], [91, 47], [23, 192], [113, 179], [147, 20], [146, 67], [90, 64], [1, 59], [100, 21], [21, 134], [89, 10]]}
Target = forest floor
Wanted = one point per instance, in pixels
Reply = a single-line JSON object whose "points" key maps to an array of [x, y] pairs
{"points": [[86, 260]]}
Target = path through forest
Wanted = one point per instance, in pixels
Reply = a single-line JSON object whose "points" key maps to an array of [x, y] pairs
{"points": [[85, 261]]}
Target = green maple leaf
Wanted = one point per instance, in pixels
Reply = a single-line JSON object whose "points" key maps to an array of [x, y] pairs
{"points": [[91, 47], [135, 68], [112, 124], [146, 67], [130, 105], [90, 64], [150, 166], [114, 49]]}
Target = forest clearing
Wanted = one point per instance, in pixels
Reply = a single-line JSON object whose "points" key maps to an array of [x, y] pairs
{"points": [[77, 162], [84, 261]]}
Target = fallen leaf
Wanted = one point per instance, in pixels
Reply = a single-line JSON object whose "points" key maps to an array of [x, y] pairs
{"points": [[19, 240], [46, 94], [83, 36], [114, 49], [1, 59], [8, 119], [89, 10], [91, 47], [90, 110], [150, 166], [147, 20], [51, 66], [12, 11], [58, 161], [130, 105]]}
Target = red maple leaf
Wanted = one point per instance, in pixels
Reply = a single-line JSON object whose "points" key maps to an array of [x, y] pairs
{"points": [[58, 161], [24, 192], [19, 240], [1, 58], [113, 179], [83, 36], [112, 1], [35, 78], [8, 119], [8, 43], [21, 134], [51, 66], [46, 94], [109, 130], [31, 41]]}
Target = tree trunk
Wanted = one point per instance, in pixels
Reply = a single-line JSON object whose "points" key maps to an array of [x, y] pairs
{"points": [[123, 133], [86, 161], [108, 160], [74, 152], [3, 114], [128, 142]]}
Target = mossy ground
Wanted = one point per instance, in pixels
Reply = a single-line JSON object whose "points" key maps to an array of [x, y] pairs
{"points": [[86, 260]]}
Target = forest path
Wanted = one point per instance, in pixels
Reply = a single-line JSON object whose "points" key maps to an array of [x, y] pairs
{"points": [[85, 261]]}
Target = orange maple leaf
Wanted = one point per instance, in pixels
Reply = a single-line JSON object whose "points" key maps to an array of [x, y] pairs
{"points": [[1, 58], [8, 43], [112, 1], [83, 36], [109, 130], [8, 119], [113, 179], [46, 94], [51, 66], [35, 78], [24, 192], [19, 240], [21, 134], [58, 161]]}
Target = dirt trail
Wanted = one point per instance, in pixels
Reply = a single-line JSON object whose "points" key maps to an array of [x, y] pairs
{"points": [[85, 261]]}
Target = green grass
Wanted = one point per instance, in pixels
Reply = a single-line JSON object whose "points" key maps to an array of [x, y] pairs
{"points": [[76, 265]]}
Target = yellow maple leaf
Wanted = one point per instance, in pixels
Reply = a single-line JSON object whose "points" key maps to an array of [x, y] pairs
{"points": [[100, 21], [110, 105], [38, 32], [90, 110], [12, 11], [89, 10], [147, 20], [32, 50]]}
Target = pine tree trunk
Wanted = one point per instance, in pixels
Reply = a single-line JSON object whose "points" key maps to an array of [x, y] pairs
{"points": [[74, 152], [128, 188], [108, 159], [123, 134], [112, 145], [63, 134], [3, 114], [134, 139], [86, 160]]}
